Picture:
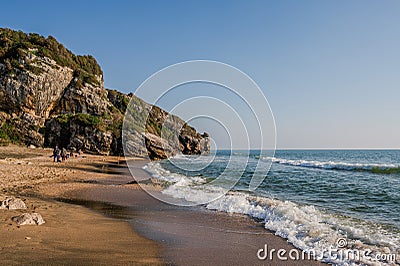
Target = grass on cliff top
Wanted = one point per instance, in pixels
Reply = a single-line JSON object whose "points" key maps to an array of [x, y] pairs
{"points": [[14, 44]]}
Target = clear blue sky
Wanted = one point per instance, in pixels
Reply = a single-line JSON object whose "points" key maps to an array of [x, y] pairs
{"points": [[330, 69]]}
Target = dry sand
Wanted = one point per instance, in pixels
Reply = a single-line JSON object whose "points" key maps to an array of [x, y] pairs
{"points": [[72, 234], [102, 232]]}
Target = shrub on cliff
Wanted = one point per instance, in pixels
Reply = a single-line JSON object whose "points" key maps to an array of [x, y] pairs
{"points": [[83, 119], [14, 44], [8, 134]]}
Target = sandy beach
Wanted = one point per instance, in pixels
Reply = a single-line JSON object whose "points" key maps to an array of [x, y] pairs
{"points": [[96, 215], [72, 234]]}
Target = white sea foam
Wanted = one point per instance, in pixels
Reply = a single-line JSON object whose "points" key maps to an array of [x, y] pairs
{"points": [[305, 226], [330, 165]]}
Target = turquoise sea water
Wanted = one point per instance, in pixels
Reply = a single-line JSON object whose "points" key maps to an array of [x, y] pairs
{"points": [[311, 197]]}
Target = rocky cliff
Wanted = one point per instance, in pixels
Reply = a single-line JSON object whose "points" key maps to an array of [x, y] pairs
{"points": [[49, 96]]}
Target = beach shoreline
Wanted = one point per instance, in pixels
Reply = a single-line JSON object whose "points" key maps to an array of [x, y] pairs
{"points": [[167, 234]]}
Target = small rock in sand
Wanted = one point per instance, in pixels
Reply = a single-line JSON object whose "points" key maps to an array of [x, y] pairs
{"points": [[12, 204], [28, 218]]}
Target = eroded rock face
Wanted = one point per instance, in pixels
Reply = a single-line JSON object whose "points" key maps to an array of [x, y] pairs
{"points": [[164, 135], [43, 103], [76, 135], [27, 126], [198, 144], [87, 99], [158, 148], [35, 94], [28, 101]]}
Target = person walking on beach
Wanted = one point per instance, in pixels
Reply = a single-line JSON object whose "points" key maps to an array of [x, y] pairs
{"points": [[63, 154], [55, 151], [57, 154]]}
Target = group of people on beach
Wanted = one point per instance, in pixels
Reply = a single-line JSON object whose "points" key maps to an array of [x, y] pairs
{"points": [[61, 154]]}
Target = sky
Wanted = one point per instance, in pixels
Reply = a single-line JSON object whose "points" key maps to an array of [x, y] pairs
{"points": [[329, 69]]}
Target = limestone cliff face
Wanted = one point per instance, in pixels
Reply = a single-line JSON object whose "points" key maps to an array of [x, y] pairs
{"points": [[26, 98], [151, 131], [87, 99], [48, 97], [27, 92]]}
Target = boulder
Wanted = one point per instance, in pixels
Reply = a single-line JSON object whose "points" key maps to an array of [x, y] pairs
{"points": [[158, 148], [12, 204], [28, 219]]}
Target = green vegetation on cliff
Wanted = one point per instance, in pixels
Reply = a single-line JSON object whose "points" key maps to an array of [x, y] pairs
{"points": [[8, 134], [15, 44], [119, 100], [83, 119]]}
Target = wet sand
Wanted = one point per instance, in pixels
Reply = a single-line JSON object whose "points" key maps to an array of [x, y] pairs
{"points": [[73, 235], [188, 235]]}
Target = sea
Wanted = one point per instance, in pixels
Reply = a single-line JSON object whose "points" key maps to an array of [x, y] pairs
{"points": [[340, 206]]}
